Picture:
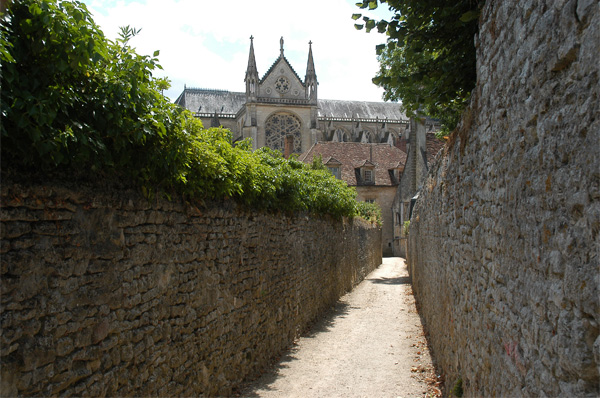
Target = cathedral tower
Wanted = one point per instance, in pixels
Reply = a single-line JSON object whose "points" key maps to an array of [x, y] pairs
{"points": [[310, 79], [251, 78]]}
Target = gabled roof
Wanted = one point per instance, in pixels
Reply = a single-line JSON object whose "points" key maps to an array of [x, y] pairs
{"points": [[366, 163], [332, 161], [354, 155], [284, 59]]}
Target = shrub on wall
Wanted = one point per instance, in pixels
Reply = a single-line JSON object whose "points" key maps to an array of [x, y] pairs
{"points": [[73, 100]]}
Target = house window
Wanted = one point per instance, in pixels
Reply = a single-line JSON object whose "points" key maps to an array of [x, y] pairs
{"points": [[336, 172], [368, 175], [396, 175]]}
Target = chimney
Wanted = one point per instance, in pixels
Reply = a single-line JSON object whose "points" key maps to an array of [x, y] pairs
{"points": [[288, 146]]}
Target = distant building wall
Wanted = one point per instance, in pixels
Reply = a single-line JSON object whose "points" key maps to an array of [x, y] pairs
{"points": [[412, 179], [228, 123], [351, 160], [384, 197], [504, 241], [107, 294]]}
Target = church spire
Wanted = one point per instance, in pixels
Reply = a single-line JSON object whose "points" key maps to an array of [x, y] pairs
{"points": [[251, 78], [310, 66], [310, 80], [251, 60]]}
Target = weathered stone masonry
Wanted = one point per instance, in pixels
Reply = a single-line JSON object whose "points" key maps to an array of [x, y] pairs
{"points": [[105, 294], [504, 240]]}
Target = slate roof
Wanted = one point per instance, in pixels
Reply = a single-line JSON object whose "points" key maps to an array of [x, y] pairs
{"points": [[360, 110], [199, 100], [353, 155]]}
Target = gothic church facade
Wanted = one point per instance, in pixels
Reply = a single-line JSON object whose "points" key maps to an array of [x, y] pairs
{"points": [[356, 139], [281, 110]]}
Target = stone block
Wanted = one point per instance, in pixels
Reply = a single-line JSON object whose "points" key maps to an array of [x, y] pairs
{"points": [[64, 346], [14, 229]]}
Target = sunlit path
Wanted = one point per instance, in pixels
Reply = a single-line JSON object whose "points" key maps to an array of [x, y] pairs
{"points": [[370, 345]]}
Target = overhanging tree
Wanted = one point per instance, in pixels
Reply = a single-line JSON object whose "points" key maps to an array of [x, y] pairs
{"points": [[428, 61], [70, 96]]}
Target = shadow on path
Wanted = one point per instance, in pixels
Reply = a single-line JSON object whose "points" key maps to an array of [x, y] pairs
{"points": [[369, 343], [324, 323], [402, 280]]}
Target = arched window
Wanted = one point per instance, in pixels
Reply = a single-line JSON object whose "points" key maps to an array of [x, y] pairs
{"points": [[279, 126], [366, 137], [392, 138], [340, 136]]}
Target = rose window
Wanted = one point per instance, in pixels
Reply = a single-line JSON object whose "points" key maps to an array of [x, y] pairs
{"points": [[282, 85], [278, 127]]}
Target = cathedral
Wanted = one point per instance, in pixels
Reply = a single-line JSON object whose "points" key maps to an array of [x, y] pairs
{"points": [[372, 146], [283, 111]]}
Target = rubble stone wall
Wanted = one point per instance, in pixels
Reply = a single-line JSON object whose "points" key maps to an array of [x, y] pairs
{"points": [[106, 294], [504, 240]]}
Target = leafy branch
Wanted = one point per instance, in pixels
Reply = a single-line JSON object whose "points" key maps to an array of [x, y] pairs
{"points": [[428, 61]]}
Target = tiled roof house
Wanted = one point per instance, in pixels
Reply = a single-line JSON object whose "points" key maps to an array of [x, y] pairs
{"points": [[374, 169]]}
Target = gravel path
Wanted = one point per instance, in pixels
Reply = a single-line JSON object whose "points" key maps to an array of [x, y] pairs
{"points": [[370, 345]]}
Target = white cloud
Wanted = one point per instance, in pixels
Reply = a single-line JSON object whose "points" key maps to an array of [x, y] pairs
{"points": [[205, 43]]}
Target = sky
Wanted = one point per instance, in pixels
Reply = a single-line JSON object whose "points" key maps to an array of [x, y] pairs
{"points": [[205, 43]]}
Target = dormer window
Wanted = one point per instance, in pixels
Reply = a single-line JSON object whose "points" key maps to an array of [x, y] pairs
{"points": [[368, 175], [395, 175], [334, 166], [365, 173], [335, 171]]}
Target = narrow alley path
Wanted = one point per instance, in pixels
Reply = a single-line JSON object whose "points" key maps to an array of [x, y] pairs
{"points": [[370, 345]]}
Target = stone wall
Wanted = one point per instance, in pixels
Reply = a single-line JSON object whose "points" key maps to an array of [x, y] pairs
{"points": [[504, 245], [106, 294]]}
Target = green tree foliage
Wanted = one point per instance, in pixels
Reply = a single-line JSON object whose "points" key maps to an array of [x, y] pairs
{"points": [[69, 95], [73, 100], [428, 62], [370, 212]]}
